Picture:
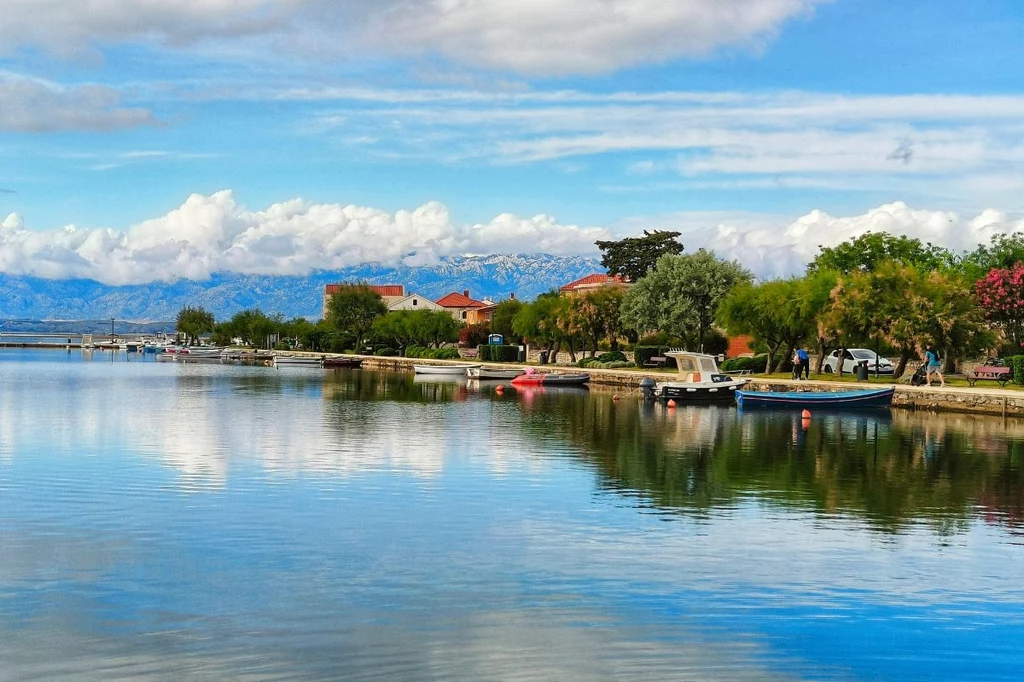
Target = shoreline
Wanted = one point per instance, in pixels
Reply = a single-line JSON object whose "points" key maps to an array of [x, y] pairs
{"points": [[990, 401]]}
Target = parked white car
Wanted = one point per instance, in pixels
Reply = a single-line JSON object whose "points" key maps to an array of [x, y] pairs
{"points": [[855, 356]]}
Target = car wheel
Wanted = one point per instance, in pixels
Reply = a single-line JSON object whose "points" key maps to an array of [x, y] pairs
{"points": [[827, 369]]}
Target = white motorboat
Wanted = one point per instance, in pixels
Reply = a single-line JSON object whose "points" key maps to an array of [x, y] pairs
{"points": [[700, 381], [298, 361], [449, 370], [493, 373]]}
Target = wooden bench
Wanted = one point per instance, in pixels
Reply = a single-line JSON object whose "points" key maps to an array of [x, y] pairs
{"points": [[656, 361], [988, 373]]}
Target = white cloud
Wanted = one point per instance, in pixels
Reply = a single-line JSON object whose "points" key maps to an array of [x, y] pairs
{"points": [[771, 246], [211, 234], [34, 106], [922, 146], [531, 36]]}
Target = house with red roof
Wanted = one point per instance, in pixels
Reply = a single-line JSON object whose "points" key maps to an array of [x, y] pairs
{"points": [[462, 307], [391, 293], [591, 282]]}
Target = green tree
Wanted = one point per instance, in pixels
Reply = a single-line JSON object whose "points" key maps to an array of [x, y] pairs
{"points": [[868, 251], [504, 316], [681, 295], [634, 257], [772, 314], [537, 322], [1003, 252], [353, 310], [193, 322]]}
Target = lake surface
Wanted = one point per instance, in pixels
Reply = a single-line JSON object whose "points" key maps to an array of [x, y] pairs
{"points": [[167, 521]]}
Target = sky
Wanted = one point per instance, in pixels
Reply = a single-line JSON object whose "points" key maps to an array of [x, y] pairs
{"points": [[146, 140]]}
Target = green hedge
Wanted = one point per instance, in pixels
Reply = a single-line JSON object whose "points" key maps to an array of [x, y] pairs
{"points": [[386, 352], [1017, 364], [595, 363], [612, 356], [642, 354], [497, 353], [446, 353], [754, 364]]}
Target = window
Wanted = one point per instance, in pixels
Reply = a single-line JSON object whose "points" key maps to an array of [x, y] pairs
{"points": [[414, 301], [463, 314]]}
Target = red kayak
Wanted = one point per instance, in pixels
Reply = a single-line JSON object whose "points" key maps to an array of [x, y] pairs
{"points": [[538, 379]]}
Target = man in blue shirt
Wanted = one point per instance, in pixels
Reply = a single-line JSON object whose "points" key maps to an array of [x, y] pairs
{"points": [[805, 363]]}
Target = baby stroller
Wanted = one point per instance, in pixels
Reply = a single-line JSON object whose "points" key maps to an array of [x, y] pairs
{"points": [[920, 377]]}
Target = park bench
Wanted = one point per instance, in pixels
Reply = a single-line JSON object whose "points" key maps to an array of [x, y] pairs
{"points": [[989, 373], [656, 361]]}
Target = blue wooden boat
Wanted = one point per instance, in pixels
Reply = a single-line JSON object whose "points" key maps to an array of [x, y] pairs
{"points": [[880, 397]]}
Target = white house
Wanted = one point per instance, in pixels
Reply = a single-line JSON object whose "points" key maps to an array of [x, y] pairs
{"points": [[414, 302]]}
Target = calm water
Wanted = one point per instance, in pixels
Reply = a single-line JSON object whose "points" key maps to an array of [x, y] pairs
{"points": [[161, 521]]}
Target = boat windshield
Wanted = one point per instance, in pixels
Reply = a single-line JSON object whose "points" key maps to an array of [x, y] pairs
{"points": [[686, 364], [707, 365]]}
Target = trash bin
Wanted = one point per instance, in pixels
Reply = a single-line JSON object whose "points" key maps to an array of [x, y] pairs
{"points": [[522, 354], [862, 371], [543, 357]]}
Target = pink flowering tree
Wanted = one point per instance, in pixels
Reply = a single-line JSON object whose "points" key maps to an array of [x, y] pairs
{"points": [[1000, 293]]}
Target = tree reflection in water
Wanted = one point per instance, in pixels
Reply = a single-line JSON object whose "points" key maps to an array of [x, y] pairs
{"points": [[890, 469]]}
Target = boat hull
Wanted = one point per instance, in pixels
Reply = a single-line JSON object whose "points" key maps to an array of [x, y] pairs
{"points": [[725, 393], [551, 379], [343, 363], [841, 400], [487, 373], [298, 361], [444, 370]]}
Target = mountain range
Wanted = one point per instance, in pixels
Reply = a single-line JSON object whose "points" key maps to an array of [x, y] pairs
{"points": [[495, 277]]}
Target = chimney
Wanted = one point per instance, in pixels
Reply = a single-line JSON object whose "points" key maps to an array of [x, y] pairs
{"points": [[512, 296], [465, 292]]}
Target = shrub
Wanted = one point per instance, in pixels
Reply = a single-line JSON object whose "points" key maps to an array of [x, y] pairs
{"points": [[483, 353], [612, 356], [385, 352], [474, 334], [642, 354], [1017, 363], [586, 362], [754, 364], [448, 353], [415, 351]]}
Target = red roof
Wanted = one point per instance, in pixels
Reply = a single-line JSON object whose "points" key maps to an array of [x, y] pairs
{"points": [[739, 345], [595, 280], [457, 300], [379, 289]]}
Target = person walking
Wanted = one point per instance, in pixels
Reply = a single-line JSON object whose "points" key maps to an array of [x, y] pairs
{"points": [[805, 363], [933, 365]]}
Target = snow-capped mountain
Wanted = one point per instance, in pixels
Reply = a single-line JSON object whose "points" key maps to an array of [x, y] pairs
{"points": [[494, 277]]}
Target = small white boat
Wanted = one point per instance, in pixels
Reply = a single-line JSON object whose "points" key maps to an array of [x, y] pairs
{"points": [[700, 381], [298, 361], [493, 373], [193, 352], [450, 370]]}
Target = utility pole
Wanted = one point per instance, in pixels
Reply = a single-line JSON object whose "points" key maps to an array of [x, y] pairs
{"points": [[111, 328]]}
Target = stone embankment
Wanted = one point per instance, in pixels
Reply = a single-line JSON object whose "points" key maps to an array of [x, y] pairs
{"points": [[994, 401]]}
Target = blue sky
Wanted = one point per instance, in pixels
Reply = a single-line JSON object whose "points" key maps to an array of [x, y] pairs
{"points": [[309, 130]]}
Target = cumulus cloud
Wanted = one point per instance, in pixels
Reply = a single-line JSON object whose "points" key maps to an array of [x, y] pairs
{"points": [[213, 234], [549, 38], [35, 106], [771, 247]]}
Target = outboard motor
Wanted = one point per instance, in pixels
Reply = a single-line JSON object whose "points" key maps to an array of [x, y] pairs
{"points": [[648, 386]]}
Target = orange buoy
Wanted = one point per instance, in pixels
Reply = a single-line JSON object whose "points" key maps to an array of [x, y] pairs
{"points": [[500, 388], [806, 414], [615, 397], [671, 403]]}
